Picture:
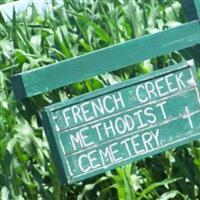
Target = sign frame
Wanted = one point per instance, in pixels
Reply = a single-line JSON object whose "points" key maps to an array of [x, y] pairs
{"points": [[57, 152]]}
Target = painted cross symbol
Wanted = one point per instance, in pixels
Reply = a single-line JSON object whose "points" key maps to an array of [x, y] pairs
{"points": [[188, 116]]}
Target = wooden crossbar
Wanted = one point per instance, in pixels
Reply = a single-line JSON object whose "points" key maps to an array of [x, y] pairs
{"points": [[80, 68]]}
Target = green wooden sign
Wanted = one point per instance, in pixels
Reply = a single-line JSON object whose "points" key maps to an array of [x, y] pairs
{"points": [[99, 131], [123, 123]]}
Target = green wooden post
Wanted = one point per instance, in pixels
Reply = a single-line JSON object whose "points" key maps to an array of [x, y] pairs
{"points": [[190, 9], [197, 4]]}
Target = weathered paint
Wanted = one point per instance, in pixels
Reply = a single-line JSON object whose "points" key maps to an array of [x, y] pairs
{"points": [[50, 77], [123, 123]]}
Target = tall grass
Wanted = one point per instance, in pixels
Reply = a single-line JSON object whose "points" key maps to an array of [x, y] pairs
{"points": [[29, 41]]}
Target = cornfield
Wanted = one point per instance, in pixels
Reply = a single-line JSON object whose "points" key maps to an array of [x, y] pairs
{"points": [[29, 40]]}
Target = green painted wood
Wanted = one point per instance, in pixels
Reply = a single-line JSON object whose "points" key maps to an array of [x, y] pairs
{"points": [[53, 143], [190, 9], [130, 116], [144, 144], [131, 101], [123, 123], [47, 78], [197, 4]]}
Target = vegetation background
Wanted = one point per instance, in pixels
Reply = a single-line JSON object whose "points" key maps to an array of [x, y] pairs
{"points": [[31, 40]]}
